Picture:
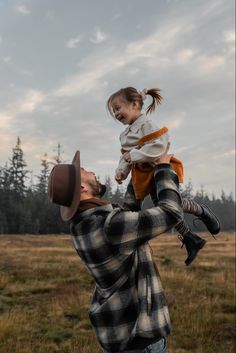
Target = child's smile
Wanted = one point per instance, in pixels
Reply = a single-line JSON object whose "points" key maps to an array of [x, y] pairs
{"points": [[125, 112]]}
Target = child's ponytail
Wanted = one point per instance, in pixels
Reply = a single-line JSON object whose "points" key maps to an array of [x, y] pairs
{"points": [[130, 94], [156, 99]]}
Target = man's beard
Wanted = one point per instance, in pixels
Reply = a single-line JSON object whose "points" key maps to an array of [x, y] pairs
{"points": [[98, 189]]}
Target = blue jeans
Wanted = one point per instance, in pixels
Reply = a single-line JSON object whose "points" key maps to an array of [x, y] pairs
{"points": [[157, 347]]}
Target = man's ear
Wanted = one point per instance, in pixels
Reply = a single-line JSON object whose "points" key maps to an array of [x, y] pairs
{"points": [[83, 188]]}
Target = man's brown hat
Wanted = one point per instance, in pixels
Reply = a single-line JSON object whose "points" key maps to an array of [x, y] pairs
{"points": [[64, 187]]}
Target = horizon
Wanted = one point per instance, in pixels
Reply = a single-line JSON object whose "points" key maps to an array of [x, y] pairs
{"points": [[33, 176]]}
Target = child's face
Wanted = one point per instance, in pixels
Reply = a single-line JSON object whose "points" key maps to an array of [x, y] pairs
{"points": [[124, 111]]}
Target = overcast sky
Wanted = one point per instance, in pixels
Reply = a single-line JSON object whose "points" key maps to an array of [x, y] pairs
{"points": [[60, 60]]}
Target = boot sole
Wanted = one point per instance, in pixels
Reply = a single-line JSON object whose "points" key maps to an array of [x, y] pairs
{"points": [[194, 257]]}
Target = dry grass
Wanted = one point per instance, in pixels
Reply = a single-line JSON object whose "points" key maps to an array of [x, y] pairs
{"points": [[45, 293]]}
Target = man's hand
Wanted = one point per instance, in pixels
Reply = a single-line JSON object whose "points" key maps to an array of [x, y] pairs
{"points": [[164, 158], [119, 177]]}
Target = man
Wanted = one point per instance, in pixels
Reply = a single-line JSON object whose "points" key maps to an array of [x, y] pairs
{"points": [[128, 310]]}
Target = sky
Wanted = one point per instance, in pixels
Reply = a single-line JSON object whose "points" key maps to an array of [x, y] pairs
{"points": [[60, 60]]}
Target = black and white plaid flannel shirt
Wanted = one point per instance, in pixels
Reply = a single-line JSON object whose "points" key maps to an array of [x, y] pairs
{"points": [[128, 301]]}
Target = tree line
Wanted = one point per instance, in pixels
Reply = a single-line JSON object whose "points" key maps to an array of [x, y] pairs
{"points": [[25, 208]]}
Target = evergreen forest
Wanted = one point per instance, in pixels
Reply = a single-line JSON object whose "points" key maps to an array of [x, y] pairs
{"points": [[25, 208]]}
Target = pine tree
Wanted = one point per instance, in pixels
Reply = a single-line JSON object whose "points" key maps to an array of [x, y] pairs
{"points": [[108, 195], [43, 177], [5, 179], [18, 173], [4, 198], [188, 190], [58, 158], [118, 196]]}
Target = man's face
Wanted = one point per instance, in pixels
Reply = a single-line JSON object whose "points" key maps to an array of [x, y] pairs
{"points": [[90, 181]]}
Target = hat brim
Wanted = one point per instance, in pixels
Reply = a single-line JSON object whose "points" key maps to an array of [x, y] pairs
{"points": [[67, 213]]}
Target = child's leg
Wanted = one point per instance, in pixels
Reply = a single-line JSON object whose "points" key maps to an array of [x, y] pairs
{"points": [[182, 227], [204, 213], [192, 241], [192, 207], [131, 203]]}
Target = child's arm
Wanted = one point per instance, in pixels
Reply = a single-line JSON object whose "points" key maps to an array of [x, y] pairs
{"points": [[150, 150], [122, 170]]}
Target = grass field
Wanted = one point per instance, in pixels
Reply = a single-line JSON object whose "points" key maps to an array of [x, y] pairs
{"points": [[45, 293]]}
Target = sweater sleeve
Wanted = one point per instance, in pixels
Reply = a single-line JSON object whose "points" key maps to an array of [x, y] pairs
{"points": [[123, 167], [129, 230], [152, 149]]}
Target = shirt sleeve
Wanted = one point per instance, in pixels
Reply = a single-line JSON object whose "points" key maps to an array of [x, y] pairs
{"points": [[128, 230], [151, 149], [123, 167]]}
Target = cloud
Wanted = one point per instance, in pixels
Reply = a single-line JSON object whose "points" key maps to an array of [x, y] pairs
{"points": [[98, 36], [181, 50], [7, 59], [23, 10], [213, 8], [107, 161], [80, 84], [35, 147], [161, 49], [50, 15], [6, 140], [5, 120], [185, 55], [25, 72], [229, 38], [30, 101], [209, 64], [73, 42], [35, 144], [157, 43], [116, 16], [90, 78], [92, 75], [27, 104], [226, 154], [176, 122], [156, 48]]}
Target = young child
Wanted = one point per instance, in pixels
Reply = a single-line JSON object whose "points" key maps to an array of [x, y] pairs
{"points": [[143, 142]]}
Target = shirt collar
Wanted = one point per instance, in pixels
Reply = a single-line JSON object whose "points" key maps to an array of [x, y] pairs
{"points": [[137, 123]]}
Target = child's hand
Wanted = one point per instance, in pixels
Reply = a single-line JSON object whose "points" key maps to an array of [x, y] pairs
{"points": [[127, 157], [119, 177]]}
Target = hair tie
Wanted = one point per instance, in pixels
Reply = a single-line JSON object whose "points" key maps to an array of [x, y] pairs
{"points": [[143, 93]]}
